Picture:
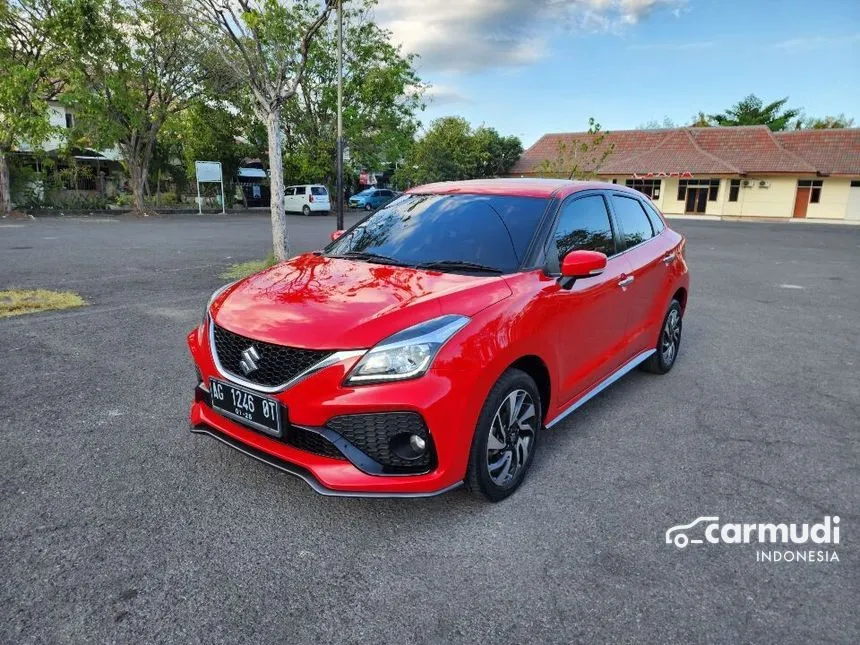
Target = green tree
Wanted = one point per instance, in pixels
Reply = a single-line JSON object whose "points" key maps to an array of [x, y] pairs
{"points": [[654, 124], [145, 69], [752, 111], [825, 123], [207, 130], [263, 46], [451, 150], [701, 120], [381, 97], [579, 158], [32, 59]]}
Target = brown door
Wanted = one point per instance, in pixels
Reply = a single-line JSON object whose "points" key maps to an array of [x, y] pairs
{"points": [[801, 202], [697, 200]]}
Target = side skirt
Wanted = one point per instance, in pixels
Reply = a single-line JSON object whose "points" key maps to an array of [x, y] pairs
{"points": [[605, 383]]}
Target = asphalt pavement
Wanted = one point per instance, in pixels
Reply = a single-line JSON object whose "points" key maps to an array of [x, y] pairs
{"points": [[118, 525]]}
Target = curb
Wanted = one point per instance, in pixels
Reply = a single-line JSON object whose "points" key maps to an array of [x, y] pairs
{"points": [[763, 220]]}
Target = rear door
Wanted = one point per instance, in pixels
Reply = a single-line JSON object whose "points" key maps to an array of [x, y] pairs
{"points": [[590, 318], [648, 253], [320, 195]]}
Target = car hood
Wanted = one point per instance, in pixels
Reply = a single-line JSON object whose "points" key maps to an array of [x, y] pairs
{"points": [[317, 302]]}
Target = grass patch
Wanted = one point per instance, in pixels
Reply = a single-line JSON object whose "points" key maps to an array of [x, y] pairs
{"points": [[14, 302], [244, 269]]}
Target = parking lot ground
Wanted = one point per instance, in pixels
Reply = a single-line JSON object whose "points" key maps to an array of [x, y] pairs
{"points": [[118, 525]]}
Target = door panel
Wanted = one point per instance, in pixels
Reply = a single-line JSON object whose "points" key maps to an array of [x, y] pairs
{"points": [[592, 321], [801, 202], [649, 257], [589, 319]]}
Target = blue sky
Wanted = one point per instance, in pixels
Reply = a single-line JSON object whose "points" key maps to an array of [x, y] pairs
{"points": [[527, 67]]}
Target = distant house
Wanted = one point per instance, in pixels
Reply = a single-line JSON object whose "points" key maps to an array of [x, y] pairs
{"points": [[104, 165], [727, 171]]}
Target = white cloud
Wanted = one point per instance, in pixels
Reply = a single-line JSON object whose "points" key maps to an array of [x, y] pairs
{"points": [[444, 95], [816, 42], [471, 35]]}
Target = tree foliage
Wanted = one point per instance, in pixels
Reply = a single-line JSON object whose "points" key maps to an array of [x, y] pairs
{"points": [[381, 96], [263, 47], [752, 111], [825, 123], [579, 158], [144, 68], [451, 150], [654, 124], [32, 59]]}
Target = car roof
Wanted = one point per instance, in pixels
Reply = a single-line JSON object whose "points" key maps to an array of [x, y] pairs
{"points": [[516, 187]]}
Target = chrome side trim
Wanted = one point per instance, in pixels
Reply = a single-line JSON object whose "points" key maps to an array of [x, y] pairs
{"points": [[605, 383], [302, 474], [335, 358]]}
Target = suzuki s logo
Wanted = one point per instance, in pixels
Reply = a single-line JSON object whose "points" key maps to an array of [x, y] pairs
{"points": [[249, 360]]}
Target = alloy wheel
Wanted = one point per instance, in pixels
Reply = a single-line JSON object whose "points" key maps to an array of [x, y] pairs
{"points": [[671, 337], [511, 437]]}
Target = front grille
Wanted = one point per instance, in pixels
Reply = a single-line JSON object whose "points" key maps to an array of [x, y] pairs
{"points": [[277, 363], [372, 434]]}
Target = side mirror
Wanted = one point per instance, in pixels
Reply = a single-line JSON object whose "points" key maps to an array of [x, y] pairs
{"points": [[336, 234], [581, 264]]}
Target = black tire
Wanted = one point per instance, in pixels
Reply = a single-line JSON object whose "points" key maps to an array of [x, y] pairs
{"points": [[668, 342], [368, 207], [306, 210], [479, 477]]}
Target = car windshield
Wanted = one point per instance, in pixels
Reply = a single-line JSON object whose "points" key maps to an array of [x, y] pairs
{"points": [[457, 233], [367, 191]]}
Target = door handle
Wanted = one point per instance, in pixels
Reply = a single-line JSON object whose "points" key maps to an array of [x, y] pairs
{"points": [[626, 281], [668, 259]]}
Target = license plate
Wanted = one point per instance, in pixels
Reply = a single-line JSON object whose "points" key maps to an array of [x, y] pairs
{"points": [[249, 408]]}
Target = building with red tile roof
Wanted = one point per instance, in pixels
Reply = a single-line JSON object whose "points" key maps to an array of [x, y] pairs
{"points": [[745, 171]]}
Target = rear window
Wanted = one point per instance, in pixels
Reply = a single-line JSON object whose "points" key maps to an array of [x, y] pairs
{"points": [[485, 229], [635, 225], [318, 190], [300, 190]]}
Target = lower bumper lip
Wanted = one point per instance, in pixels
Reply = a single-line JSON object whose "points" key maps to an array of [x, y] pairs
{"points": [[301, 473]]}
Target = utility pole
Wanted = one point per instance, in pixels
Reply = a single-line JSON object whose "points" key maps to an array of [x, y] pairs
{"points": [[340, 225]]}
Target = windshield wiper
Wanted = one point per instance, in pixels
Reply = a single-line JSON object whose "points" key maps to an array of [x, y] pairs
{"points": [[454, 265], [376, 258]]}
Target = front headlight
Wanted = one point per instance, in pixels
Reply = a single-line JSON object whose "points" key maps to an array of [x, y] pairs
{"points": [[408, 353], [214, 297]]}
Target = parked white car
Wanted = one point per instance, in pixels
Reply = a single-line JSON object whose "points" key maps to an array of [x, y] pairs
{"points": [[307, 199]]}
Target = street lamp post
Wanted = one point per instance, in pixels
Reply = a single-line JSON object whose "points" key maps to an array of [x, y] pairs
{"points": [[340, 115]]}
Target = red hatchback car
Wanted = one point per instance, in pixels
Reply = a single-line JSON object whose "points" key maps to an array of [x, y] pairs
{"points": [[430, 345]]}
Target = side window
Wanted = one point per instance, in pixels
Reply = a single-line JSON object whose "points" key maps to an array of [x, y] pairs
{"points": [[290, 191], [654, 216], [634, 223], [300, 190], [583, 224]]}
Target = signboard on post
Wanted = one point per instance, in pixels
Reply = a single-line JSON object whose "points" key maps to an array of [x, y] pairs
{"points": [[209, 172]]}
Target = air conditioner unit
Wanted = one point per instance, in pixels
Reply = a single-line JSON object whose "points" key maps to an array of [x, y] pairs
{"points": [[747, 183], [764, 184]]}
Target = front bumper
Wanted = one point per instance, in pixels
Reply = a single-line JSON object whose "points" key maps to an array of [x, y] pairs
{"points": [[313, 402]]}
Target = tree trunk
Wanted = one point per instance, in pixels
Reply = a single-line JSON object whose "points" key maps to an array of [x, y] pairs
{"points": [[5, 188], [280, 241], [137, 179]]}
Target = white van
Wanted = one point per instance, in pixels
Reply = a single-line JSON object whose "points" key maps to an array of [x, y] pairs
{"points": [[306, 199]]}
